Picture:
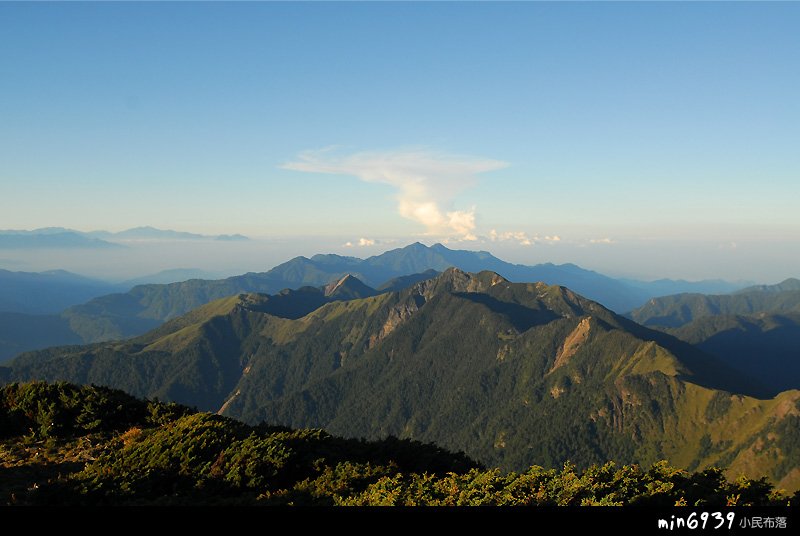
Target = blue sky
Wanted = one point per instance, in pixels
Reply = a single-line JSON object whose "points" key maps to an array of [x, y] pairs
{"points": [[600, 133]]}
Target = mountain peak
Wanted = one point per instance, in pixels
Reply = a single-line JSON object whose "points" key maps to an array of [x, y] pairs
{"points": [[456, 280], [330, 288], [487, 276], [348, 287]]}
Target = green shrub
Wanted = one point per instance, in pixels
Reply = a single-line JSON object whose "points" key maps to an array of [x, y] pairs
{"points": [[44, 410]]}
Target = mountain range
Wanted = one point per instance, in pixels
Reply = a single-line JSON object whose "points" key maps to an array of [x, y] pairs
{"points": [[21, 332], [151, 233], [162, 302], [513, 374], [62, 238], [164, 277], [127, 314], [52, 239], [48, 292], [679, 309], [755, 330]]}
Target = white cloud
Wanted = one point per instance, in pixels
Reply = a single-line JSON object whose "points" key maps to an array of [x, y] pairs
{"points": [[362, 242], [426, 181], [463, 223], [519, 236], [522, 238], [601, 241]]}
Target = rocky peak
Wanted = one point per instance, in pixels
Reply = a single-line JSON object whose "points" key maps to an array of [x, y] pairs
{"points": [[456, 280], [330, 288], [348, 287]]}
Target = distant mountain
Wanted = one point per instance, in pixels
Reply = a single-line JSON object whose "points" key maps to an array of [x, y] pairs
{"points": [[165, 277], [512, 374], [106, 318], [764, 346], [51, 239], [675, 311], [152, 233], [405, 281], [231, 238], [619, 295], [129, 314], [40, 231], [418, 258], [118, 316], [666, 287], [61, 238], [132, 313], [786, 285], [755, 330], [47, 292], [21, 333]]}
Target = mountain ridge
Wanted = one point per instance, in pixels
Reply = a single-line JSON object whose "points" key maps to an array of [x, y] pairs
{"points": [[53, 240], [763, 346], [677, 310], [789, 284], [60, 237], [161, 302], [460, 360], [127, 314]]}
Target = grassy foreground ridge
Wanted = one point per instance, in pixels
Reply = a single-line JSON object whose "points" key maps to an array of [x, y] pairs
{"points": [[66, 444]]}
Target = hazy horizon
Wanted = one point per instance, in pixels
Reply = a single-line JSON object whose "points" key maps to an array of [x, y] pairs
{"points": [[259, 254], [640, 140]]}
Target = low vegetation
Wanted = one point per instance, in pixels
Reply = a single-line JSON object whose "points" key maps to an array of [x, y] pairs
{"points": [[64, 444]]}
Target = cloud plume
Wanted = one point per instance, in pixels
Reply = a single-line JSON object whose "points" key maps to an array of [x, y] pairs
{"points": [[426, 182]]}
